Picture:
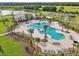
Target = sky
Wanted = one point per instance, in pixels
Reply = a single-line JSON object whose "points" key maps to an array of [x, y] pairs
{"points": [[39, 0]]}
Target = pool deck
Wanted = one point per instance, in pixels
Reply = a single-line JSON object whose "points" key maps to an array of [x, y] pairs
{"points": [[49, 46]]}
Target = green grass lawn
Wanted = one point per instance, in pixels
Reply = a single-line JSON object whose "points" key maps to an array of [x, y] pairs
{"points": [[69, 8], [10, 46], [45, 13], [77, 17], [3, 27]]}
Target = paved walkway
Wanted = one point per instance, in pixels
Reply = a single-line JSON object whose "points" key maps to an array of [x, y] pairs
{"points": [[6, 33]]}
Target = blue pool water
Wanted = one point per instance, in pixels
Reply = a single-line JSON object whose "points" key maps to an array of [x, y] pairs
{"points": [[50, 31], [35, 25]]}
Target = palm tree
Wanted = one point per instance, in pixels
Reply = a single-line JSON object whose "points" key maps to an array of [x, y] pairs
{"points": [[44, 17], [45, 28], [12, 15], [38, 25], [4, 22], [19, 20], [3, 19], [35, 12], [67, 22], [31, 31], [15, 22], [32, 17], [50, 22], [0, 12], [26, 17], [77, 48], [1, 15], [73, 48], [62, 21], [75, 44], [40, 12], [37, 40], [44, 40], [53, 17], [37, 16]]}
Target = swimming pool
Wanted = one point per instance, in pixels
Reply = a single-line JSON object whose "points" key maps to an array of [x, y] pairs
{"points": [[35, 25], [50, 31]]}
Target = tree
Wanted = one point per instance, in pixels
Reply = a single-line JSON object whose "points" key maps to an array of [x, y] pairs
{"points": [[61, 9], [31, 38], [31, 31], [6, 19], [38, 25], [37, 40], [18, 21], [54, 9], [77, 46], [26, 17], [62, 54], [13, 18], [44, 40], [12, 15], [50, 22], [40, 9], [44, 18], [50, 8], [62, 21], [1, 15], [67, 22], [45, 28]]}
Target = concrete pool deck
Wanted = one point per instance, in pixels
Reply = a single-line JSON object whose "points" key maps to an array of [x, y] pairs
{"points": [[64, 43]]}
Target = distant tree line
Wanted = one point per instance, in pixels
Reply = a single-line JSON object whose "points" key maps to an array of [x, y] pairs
{"points": [[40, 3], [37, 7], [11, 7], [49, 8], [33, 7], [46, 8]]}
